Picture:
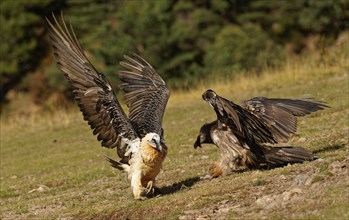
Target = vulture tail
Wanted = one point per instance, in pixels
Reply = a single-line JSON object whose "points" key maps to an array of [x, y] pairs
{"points": [[280, 156], [114, 163]]}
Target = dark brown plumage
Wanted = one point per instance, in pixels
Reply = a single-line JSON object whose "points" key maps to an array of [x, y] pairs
{"points": [[146, 95], [242, 133], [135, 137]]}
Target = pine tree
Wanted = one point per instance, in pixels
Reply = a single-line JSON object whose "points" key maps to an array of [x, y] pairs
{"points": [[21, 36]]}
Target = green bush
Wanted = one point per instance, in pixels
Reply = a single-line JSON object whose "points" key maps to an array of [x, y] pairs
{"points": [[243, 48]]}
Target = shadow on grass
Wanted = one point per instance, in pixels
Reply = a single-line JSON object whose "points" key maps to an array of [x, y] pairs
{"points": [[166, 190], [329, 148]]}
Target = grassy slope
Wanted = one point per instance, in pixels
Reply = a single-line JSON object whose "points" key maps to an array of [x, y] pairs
{"points": [[52, 167]]}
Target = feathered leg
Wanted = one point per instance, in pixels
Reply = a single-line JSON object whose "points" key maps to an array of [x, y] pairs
{"points": [[136, 185], [227, 164]]}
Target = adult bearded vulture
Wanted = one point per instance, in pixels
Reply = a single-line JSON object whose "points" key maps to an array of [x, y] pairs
{"points": [[138, 138], [243, 132]]}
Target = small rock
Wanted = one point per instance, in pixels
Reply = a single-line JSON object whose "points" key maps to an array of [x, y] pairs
{"points": [[267, 201], [41, 188], [309, 181], [206, 177], [13, 177], [289, 194], [204, 157], [300, 180], [66, 218], [215, 209], [302, 139], [224, 210], [223, 202], [191, 212], [335, 167]]}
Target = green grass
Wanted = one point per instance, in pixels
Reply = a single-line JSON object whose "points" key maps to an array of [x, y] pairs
{"points": [[57, 150]]}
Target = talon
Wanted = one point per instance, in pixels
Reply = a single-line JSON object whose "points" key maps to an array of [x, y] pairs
{"points": [[158, 195], [141, 198], [150, 187], [150, 190]]}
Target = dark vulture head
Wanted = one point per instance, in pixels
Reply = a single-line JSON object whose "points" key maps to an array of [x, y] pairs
{"points": [[210, 97], [204, 135]]}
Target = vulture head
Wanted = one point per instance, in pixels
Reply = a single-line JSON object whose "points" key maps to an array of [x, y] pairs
{"points": [[204, 135]]}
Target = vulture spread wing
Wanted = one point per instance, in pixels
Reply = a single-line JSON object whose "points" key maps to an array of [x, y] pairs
{"points": [[146, 94], [91, 90], [243, 123], [279, 115]]}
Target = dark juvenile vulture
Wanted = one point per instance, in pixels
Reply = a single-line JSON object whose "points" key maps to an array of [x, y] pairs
{"points": [[138, 138], [242, 133]]}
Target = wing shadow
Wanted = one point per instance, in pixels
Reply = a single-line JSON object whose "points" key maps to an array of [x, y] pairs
{"points": [[329, 148]]}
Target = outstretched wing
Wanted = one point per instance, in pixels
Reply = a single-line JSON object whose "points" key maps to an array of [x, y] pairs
{"points": [[91, 90], [279, 115], [243, 123], [146, 94]]}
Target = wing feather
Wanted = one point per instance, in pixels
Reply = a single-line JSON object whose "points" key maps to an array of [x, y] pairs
{"points": [[279, 115], [92, 91], [241, 122], [146, 94]]}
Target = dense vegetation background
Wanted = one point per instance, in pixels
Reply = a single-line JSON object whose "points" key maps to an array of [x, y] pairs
{"points": [[185, 40]]}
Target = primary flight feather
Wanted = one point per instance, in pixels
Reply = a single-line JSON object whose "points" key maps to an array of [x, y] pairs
{"points": [[137, 138]]}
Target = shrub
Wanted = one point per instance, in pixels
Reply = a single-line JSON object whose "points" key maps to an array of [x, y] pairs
{"points": [[241, 48]]}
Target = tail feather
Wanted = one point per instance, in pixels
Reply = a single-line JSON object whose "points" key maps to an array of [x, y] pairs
{"points": [[114, 163], [279, 156]]}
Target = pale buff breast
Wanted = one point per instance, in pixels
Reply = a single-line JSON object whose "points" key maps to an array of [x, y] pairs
{"points": [[152, 161]]}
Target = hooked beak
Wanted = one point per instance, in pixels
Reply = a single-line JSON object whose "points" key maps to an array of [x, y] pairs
{"points": [[197, 142], [155, 145]]}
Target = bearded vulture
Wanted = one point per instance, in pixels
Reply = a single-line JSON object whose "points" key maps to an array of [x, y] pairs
{"points": [[244, 133], [138, 138]]}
